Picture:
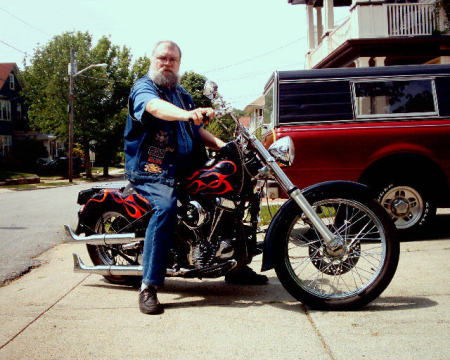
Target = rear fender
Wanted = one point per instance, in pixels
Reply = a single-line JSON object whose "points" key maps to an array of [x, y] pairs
{"points": [[279, 223], [133, 205]]}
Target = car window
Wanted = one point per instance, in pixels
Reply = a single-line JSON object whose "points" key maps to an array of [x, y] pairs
{"points": [[268, 107], [394, 97], [315, 101]]}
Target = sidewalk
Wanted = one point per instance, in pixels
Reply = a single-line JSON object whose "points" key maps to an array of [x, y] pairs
{"points": [[53, 313]]}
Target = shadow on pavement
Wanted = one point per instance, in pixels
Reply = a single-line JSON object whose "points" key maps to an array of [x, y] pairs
{"points": [[219, 293], [390, 303], [439, 229]]}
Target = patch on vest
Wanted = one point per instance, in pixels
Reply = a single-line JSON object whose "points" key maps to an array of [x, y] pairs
{"points": [[153, 168], [157, 150], [156, 155]]}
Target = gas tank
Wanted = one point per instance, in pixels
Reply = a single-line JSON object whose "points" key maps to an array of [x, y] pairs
{"points": [[221, 175]]}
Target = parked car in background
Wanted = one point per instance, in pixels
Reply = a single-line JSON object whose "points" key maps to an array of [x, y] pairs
{"points": [[60, 167], [387, 127]]}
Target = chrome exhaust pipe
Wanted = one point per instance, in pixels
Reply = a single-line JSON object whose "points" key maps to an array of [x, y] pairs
{"points": [[117, 270], [106, 270], [136, 270], [100, 239]]}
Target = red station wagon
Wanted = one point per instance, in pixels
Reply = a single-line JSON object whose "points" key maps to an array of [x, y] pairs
{"points": [[387, 127]]}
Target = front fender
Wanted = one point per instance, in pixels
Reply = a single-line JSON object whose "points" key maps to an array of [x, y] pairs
{"points": [[344, 189]]}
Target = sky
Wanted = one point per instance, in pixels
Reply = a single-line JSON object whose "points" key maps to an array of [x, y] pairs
{"points": [[236, 43]]}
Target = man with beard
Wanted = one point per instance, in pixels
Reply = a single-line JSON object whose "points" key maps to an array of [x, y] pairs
{"points": [[158, 145]]}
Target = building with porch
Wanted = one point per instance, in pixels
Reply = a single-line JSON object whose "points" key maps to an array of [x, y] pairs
{"points": [[14, 129], [255, 110], [376, 33], [10, 107]]}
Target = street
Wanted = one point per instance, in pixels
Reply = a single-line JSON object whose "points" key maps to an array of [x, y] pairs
{"points": [[31, 222]]}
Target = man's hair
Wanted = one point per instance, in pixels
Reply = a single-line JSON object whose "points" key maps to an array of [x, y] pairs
{"points": [[171, 44]]}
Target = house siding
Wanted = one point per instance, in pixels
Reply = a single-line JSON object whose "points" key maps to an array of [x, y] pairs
{"points": [[7, 127]]}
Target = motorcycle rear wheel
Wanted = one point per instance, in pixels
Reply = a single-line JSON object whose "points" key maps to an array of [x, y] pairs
{"points": [[342, 280], [112, 222]]}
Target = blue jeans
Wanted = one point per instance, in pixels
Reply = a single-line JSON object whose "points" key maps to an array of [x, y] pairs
{"points": [[160, 230]]}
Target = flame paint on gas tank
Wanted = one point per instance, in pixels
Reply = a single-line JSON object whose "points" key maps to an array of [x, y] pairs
{"points": [[214, 180]]}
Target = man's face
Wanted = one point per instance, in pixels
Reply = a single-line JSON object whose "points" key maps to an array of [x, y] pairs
{"points": [[165, 65]]}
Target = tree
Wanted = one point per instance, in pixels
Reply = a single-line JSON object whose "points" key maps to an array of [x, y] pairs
{"points": [[100, 95], [194, 84], [224, 127]]}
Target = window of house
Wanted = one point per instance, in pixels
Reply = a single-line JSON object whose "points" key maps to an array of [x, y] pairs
{"points": [[19, 111], [11, 81], [5, 110], [5, 145], [391, 98]]}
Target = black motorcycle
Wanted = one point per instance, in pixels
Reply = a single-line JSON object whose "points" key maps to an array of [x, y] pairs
{"points": [[331, 244]]}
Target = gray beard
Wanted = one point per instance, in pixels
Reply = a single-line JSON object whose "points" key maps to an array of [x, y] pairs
{"points": [[168, 81]]}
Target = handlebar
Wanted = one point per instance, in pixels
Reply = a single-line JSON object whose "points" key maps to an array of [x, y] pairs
{"points": [[205, 120]]}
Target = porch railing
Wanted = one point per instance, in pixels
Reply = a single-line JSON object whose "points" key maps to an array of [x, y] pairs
{"points": [[411, 19]]}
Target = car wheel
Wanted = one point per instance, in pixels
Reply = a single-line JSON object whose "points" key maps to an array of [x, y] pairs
{"points": [[409, 205]]}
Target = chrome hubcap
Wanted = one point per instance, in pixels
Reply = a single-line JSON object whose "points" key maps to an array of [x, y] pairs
{"points": [[400, 207], [404, 204]]}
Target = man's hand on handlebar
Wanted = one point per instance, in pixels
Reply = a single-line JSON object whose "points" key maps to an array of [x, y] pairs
{"points": [[201, 115]]}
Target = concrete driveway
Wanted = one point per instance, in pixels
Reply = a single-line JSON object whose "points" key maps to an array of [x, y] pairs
{"points": [[53, 313]]}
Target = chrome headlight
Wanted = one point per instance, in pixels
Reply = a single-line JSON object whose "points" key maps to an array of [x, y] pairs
{"points": [[283, 151]]}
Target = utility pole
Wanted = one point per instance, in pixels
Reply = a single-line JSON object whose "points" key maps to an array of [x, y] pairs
{"points": [[71, 76], [73, 72]]}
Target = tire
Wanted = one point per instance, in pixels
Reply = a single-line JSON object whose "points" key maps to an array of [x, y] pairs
{"points": [[345, 280], [409, 205], [109, 222]]}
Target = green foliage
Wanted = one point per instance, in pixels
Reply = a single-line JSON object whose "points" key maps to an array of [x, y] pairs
{"points": [[194, 84], [222, 128], [140, 68], [267, 213], [10, 174], [100, 94]]}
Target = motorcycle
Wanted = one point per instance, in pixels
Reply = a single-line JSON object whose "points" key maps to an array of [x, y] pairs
{"points": [[332, 245]]}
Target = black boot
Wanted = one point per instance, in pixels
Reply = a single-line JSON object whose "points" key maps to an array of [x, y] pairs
{"points": [[148, 301], [246, 276]]}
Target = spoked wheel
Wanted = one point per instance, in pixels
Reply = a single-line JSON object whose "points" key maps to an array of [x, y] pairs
{"points": [[114, 222], [346, 278]]}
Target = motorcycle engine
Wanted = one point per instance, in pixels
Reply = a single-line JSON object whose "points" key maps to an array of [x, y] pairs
{"points": [[208, 233], [193, 215]]}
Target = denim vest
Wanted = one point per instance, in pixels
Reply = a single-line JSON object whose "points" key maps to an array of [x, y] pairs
{"points": [[157, 150]]}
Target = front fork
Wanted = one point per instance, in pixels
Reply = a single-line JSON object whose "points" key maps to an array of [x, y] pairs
{"points": [[332, 242]]}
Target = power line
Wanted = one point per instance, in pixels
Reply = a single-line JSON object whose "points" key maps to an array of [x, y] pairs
{"points": [[24, 22], [256, 57], [261, 72], [13, 47]]}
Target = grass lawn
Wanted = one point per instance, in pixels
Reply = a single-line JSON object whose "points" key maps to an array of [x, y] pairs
{"points": [[8, 174], [50, 181], [39, 185], [265, 216]]}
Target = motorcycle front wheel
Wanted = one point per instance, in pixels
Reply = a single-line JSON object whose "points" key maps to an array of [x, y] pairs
{"points": [[347, 278]]}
